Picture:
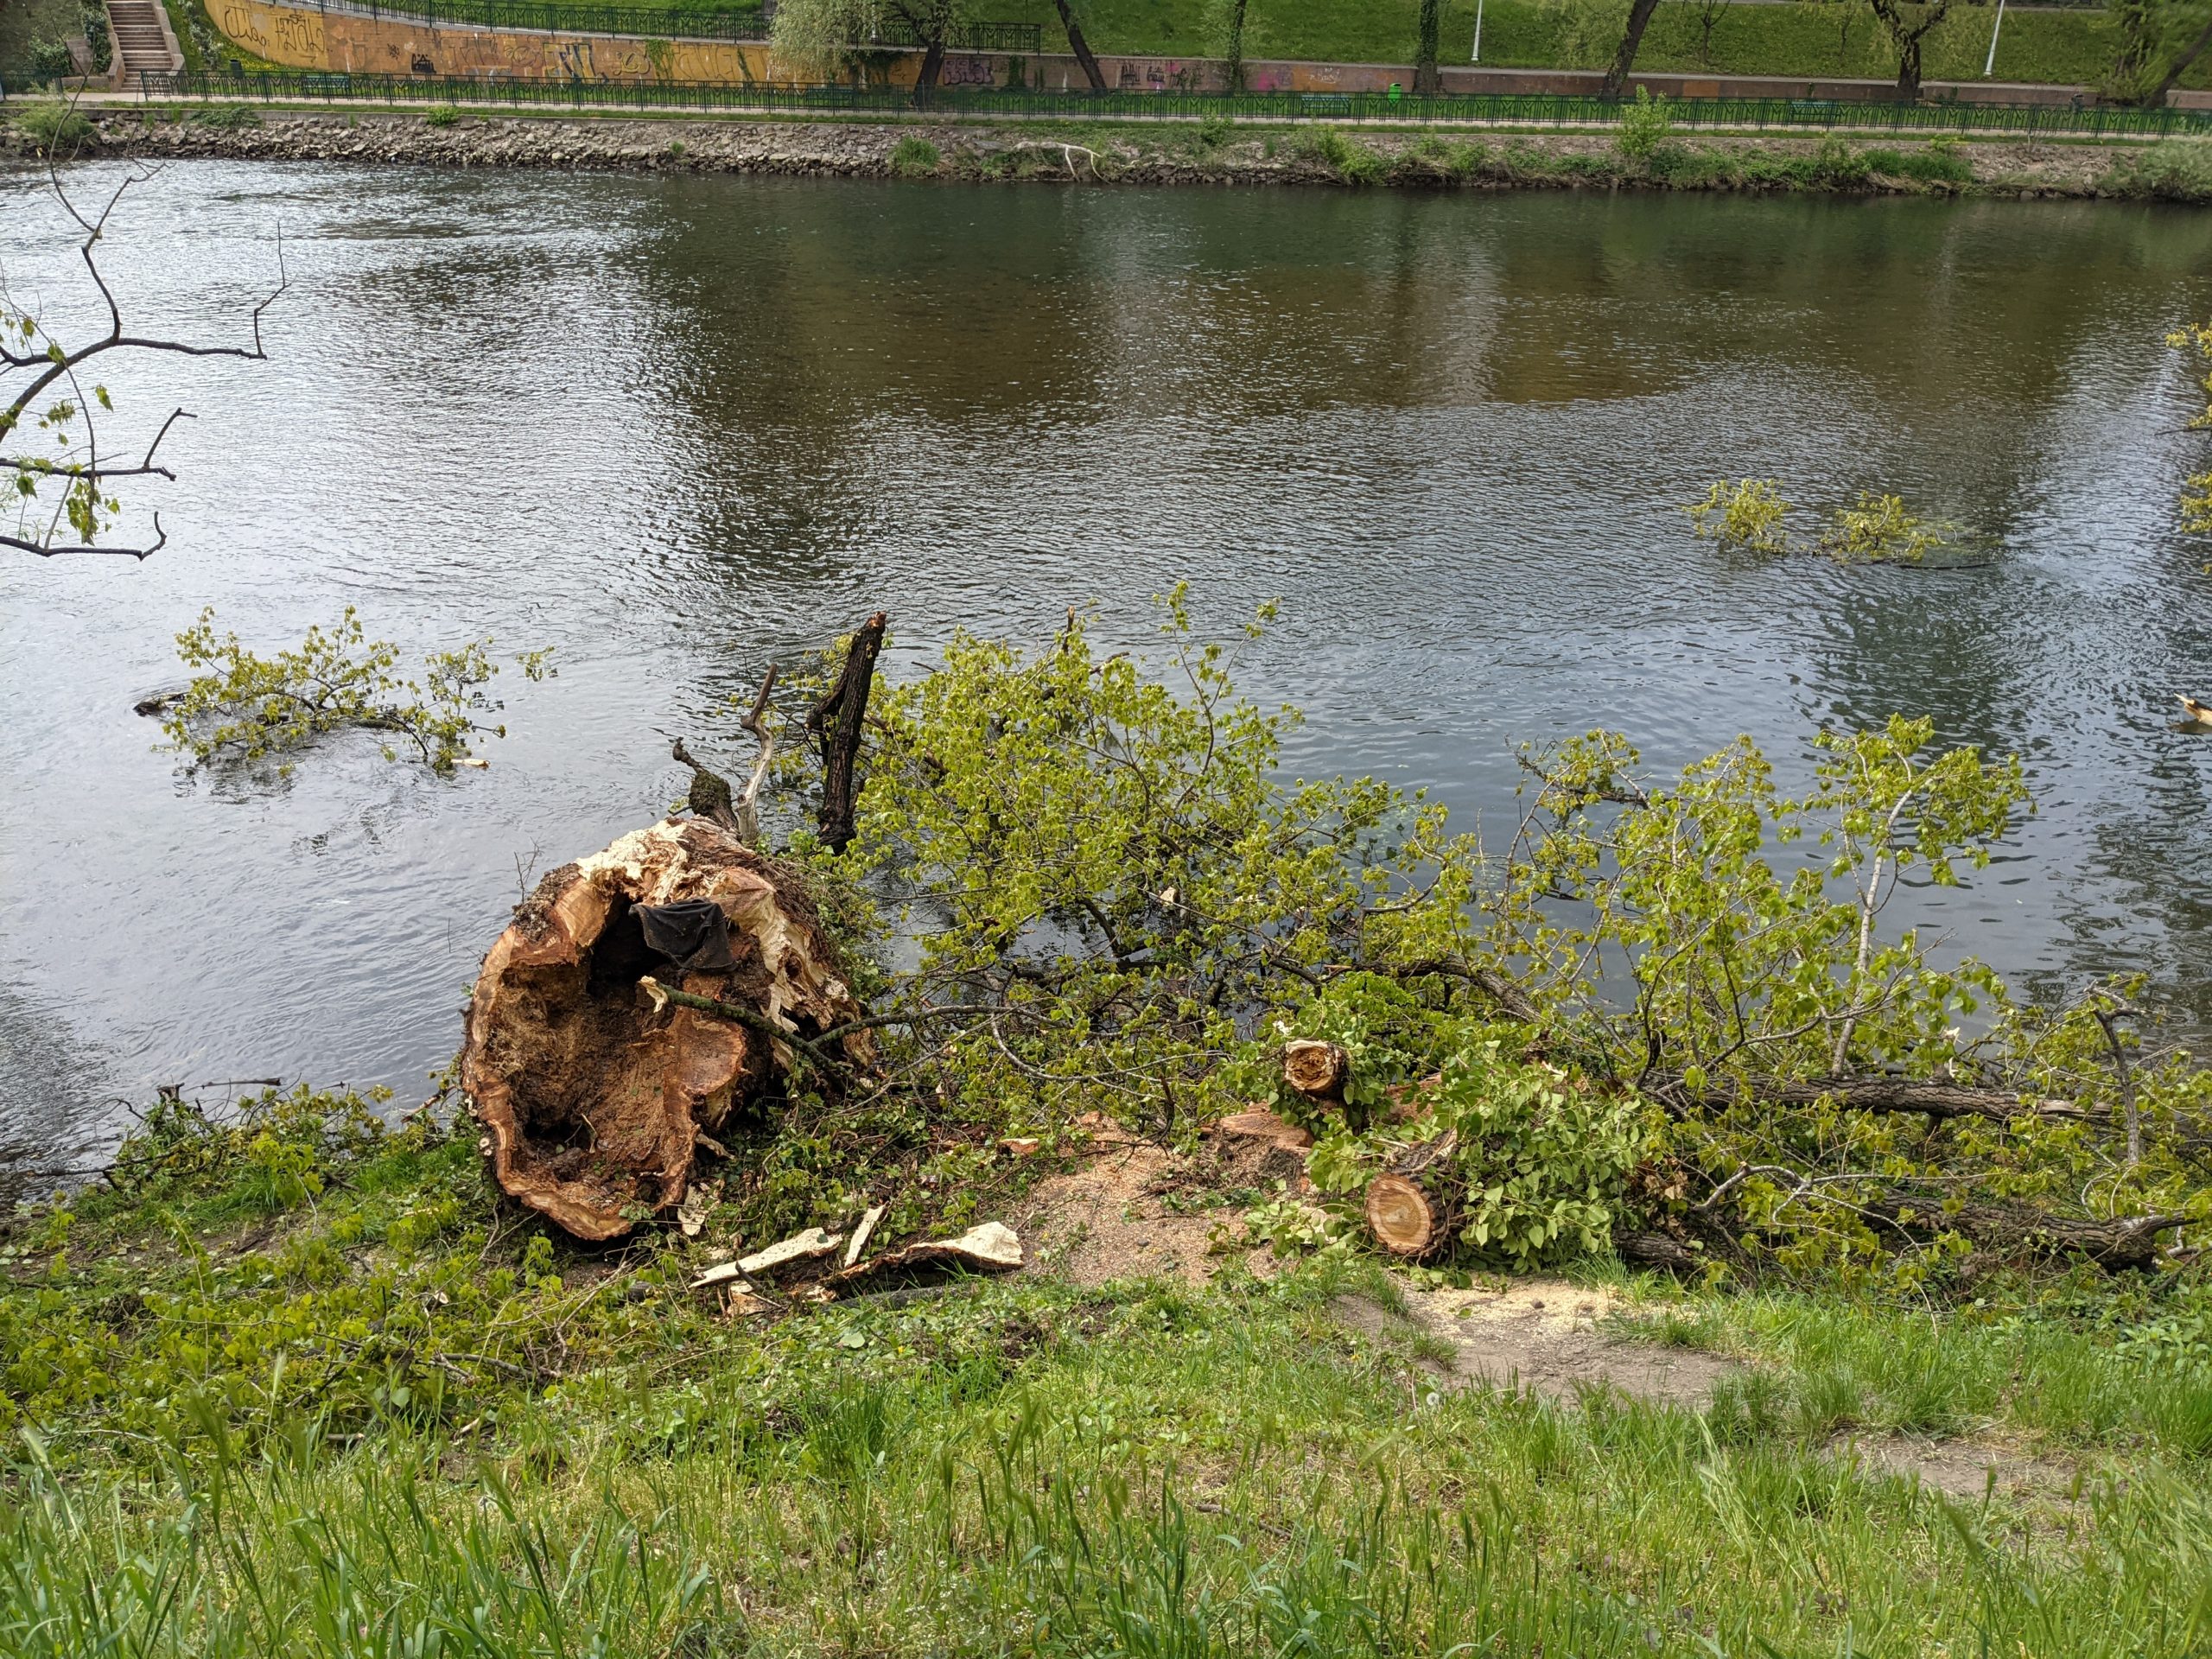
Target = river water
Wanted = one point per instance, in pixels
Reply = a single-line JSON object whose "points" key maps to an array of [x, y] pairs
{"points": [[676, 429]]}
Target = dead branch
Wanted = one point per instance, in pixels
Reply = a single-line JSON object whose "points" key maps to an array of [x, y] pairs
{"points": [[838, 724], [747, 811]]}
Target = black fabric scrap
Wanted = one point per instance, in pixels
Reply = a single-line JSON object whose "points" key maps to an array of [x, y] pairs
{"points": [[693, 934]]}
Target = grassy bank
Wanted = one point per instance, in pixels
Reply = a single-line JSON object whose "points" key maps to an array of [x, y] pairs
{"points": [[304, 1392], [1806, 39]]}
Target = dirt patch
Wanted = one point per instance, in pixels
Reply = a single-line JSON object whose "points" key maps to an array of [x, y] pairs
{"points": [[1549, 1337], [1134, 1210], [1957, 1469], [1543, 1335]]}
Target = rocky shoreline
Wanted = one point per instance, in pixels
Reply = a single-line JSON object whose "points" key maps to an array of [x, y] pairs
{"points": [[1169, 154]]}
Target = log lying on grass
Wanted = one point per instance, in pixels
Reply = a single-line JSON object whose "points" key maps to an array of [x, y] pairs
{"points": [[593, 1097], [1414, 1207]]}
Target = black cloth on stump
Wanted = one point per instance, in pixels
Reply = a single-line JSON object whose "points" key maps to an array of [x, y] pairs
{"points": [[693, 934]]}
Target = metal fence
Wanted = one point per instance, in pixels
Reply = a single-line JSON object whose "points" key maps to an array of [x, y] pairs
{"points": [[1484, 108]]}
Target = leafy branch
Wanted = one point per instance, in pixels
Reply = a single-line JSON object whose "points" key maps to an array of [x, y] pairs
{"points": [[246, 707]]}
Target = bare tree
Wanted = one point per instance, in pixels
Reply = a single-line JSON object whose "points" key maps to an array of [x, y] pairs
{"points": [[51, 441], [1908, 26]]}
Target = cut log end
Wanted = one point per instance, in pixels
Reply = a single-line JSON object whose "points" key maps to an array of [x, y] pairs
{"points": [[1317, 1070], [1407, 1219]]}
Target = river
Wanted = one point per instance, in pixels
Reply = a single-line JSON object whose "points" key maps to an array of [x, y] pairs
{"points": [[675, 429]]}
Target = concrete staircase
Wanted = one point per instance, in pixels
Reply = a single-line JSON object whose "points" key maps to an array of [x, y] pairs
{"points": [[143, 44]]}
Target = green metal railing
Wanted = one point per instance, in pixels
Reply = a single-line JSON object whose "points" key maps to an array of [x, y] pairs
{"points": [[1486, 109]]}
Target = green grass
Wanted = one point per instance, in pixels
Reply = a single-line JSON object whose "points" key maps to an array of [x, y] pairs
{"points": [[1811, 39], [296, 1387], [1020, 1469]]}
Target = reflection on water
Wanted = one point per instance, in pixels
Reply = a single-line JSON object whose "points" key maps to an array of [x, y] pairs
{"points": [[675, 429]]}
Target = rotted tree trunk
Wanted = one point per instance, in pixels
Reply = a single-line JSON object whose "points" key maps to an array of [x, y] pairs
{"points": [[1414, 1207], [593, 1094]]}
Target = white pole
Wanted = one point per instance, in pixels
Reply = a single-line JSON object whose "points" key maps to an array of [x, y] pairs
{"points": [[1990, 67], [1478, 58]]}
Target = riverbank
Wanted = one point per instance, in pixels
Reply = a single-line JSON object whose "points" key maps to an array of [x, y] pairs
{"points": [[1210, 153]]}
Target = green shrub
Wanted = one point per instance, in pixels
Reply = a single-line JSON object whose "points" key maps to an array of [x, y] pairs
{"points": [[913, 157], [53, 126], [50, 61], [2179, 169], [1939, 163], [1645, 127], [1354, 163], [1433, 158], [226, 118], [1838, 166], [1214, 131], [97, 36], [443, 115]]}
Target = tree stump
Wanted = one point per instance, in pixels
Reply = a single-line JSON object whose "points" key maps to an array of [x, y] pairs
{"points": [[593, 1097], [1414, 1207], [1319, 1074]]}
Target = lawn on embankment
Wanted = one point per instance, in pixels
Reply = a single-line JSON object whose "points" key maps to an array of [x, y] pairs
{"points": [[1812, 40], [283, 1400]]}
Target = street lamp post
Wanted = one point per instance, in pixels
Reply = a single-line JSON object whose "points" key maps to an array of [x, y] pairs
{"points": [[1990, 67], [1478, 58]]}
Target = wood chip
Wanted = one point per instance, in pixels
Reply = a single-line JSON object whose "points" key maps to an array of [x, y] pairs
{"points": [[992, 1247], [1021, 1146], [862, 1233], [800, 1247], [692, 1214], [1261, 1125], [744, 1304]]}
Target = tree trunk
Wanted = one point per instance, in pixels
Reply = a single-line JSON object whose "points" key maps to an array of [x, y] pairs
{"points": [[1639, 19], [2181, 66], [1081, 47], [1414, 1207], [839, 719], [932, 67], [1237, 46], [1427, 80], [2016, 1230], [1909, 70]]}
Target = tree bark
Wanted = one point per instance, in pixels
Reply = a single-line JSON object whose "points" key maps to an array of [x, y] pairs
{"points": [[1639, 19], [1657, 1250], [1081, 47], [837, 722], [2181, 66], [1427, 80], [1237, 46], [1880, 1095], [1414, 1207]]}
